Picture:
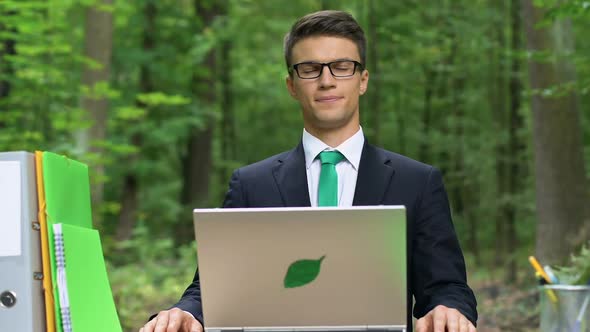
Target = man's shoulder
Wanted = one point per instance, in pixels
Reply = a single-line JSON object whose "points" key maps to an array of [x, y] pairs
{"points": [[264, 165], [403, 162]]}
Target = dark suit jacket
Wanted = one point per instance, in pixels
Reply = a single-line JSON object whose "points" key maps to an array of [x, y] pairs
{"points": [[436, 269]]}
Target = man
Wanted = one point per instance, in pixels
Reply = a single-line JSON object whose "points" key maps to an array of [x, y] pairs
{"points": [[325, 55]]}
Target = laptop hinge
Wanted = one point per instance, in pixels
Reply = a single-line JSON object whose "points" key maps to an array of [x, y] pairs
{"points": [[224, 329], [306, 329], [392, 328], [355, 328]]}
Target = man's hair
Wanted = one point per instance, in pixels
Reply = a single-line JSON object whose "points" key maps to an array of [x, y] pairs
{"points": [[333, 23]]}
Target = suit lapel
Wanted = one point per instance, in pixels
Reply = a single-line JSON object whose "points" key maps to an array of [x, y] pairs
{"points": [[375, 173], [291, 178]]}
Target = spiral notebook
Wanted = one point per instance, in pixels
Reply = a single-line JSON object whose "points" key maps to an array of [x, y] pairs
{"points": [[84, 292], [62, 282]]}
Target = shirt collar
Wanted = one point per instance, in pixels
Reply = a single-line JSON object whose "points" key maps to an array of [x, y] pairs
{"points": [[351, 148]]}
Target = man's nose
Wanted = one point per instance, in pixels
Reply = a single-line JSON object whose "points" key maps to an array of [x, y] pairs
{"points": [[326, 78]]}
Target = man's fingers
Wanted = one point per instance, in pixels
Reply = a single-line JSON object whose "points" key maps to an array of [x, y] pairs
{"points": [[444, 319], [196, 326], [162, 321], [420, 325], [175, 318], [424, 324], [439, 318], [463, 324], [452, 321], [149, 327], [187, 322]]}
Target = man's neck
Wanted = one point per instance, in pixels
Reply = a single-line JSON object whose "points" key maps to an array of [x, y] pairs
{"points": [[333, 137]]}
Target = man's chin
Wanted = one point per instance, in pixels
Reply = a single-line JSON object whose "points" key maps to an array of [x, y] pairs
{"points": [[329, 119], [330, 123]]}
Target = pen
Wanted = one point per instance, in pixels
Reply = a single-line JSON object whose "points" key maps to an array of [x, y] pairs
{"points": [[550, 293], [543, 274], [542, 281], [539, 269]]}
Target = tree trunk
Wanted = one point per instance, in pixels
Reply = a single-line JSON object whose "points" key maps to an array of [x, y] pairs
{"points": [[515, 147], [198, 159], [400, 120], [429, 85], [464, 192], [98, 45], [373, 95], [129, 205], [130, 201], [561, 185], [228, 131], [197, 167], [498, 102], [7, 47]]}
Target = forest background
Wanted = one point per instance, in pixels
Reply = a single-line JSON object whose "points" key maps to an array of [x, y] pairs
{"points": [[164, 99]]}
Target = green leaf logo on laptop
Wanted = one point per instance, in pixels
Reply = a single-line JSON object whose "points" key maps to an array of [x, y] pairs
{"points": [[302, 272]]}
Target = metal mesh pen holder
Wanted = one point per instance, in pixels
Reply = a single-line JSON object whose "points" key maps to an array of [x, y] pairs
{"points": [[565, 308]]}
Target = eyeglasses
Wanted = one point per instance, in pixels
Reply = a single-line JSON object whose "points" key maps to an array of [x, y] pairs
{"points": [[311, 70]]}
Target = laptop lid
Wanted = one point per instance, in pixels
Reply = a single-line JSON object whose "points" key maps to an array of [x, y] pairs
{"points": [[302, 268]]}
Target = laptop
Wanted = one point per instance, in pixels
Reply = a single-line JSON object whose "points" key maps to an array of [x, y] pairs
{"points": [[303, 269]]}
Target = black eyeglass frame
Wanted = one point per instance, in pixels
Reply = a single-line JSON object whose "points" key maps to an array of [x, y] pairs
{"points": [[325, 64]]}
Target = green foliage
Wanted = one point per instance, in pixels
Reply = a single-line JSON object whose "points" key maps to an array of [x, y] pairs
{"points": [[567, 9], [159, 99], [147, 274], [578, 272]]}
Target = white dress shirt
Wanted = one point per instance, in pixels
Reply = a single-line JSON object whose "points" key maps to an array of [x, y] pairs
{"points": [[347, 169]]}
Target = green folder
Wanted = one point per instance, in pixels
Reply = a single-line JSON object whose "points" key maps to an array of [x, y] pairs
{"points": [[92, 308], [67, 191], [67, 197]]}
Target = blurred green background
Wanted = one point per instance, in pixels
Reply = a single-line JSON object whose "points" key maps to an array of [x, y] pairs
{"points": [[164, 99]]}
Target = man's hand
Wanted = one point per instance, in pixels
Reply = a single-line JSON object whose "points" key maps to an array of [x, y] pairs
{"points": [[173, 320], [441, 319]]}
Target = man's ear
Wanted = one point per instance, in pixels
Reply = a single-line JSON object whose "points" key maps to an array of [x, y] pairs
{"points": [[364, 82], [290, 87]]}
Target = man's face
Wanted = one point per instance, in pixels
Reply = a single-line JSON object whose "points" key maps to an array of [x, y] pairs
{"points": [[327, 102]]}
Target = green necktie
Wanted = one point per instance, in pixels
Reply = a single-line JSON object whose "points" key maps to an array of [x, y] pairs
{"points": [[328, 187]]}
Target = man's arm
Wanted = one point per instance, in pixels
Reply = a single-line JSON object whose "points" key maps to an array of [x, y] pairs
{"points": [[191, 299], [438, 271], [234, 197]]}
